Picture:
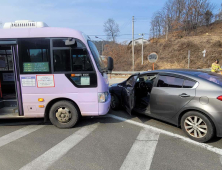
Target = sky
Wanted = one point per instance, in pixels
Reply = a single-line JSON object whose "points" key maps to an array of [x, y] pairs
{"points": [[87, 16]]}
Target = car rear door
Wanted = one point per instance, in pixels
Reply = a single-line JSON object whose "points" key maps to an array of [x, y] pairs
{"points": [[128, 94], [169, 94]]}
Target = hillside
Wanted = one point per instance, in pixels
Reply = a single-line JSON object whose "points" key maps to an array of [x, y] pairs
{"points": [[174, 51]]}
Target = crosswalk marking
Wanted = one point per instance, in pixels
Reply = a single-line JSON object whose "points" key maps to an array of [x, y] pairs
{"points": [[141, 154], [202, 145], [18, 134], [44, 161]]}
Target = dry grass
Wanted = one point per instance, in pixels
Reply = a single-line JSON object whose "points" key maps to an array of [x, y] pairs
{"points": [[173, 53]]}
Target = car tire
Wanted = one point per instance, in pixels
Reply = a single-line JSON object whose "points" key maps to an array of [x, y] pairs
{"points": [[115, 102], [64, 114], [197, 126]]}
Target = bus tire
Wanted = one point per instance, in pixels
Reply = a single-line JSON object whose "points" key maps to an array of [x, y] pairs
{"points": [[64, 114]]}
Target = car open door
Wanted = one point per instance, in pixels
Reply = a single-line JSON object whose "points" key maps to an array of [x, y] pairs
{"points": [[128, 93]]}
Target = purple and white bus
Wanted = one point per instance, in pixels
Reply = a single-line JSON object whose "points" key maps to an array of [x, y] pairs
{"points": [[55, 73]]}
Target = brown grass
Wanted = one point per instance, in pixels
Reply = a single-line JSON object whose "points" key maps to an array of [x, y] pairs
{"points": [[172, 53]]}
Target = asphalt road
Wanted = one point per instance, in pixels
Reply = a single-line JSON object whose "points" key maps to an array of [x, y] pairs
{"points": [[115, 141], [112, 142]]}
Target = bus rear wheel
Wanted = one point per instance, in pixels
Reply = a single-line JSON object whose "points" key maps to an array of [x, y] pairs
{"points": [[63, 114]]}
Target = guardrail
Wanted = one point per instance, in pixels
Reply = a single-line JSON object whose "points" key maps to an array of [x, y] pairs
{"points": [[126, 72], [134, 72]]}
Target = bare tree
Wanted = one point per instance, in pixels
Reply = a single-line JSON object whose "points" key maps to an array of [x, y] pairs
{"points": [[179, 15], [208, 17], [218, 16], [111, 28]]}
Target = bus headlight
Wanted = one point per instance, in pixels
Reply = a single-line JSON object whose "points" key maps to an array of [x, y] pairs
{"points": [[103, 97]]}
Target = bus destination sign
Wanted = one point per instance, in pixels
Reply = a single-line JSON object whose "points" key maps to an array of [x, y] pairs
{"points": [[36, 67]]}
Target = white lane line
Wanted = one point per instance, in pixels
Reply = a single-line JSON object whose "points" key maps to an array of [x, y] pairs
{"points": [[141, 154], [18, 134], [44, 161], [202, 145]]}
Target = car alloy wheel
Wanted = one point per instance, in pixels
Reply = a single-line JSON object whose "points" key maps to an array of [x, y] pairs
{"points": [[195, 126]]}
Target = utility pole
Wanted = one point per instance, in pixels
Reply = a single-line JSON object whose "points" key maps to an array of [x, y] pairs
{"points": [[167, 26], [188, 59], [133, 42], [167, 31], [142, 47]]}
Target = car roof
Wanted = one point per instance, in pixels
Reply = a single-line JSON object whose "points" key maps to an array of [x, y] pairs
{"points": [[186, 72]]}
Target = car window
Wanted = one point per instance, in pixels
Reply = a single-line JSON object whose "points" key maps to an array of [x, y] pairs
{"points": [[146, 78], [170, 81], [131, 81], [188, 84], [151, 78]]}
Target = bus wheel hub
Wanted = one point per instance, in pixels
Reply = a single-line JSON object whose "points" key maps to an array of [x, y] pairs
{"points": [[63, 115]]}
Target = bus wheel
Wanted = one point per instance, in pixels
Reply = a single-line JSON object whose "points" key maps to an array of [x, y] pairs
{"points": [[63, 114]]}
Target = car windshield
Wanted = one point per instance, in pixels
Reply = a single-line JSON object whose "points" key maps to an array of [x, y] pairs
{"points": [[99, 61], [212, 77]]}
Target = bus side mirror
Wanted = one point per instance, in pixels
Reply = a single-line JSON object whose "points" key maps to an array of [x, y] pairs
{"points": [[70, 41], [110, 65]]}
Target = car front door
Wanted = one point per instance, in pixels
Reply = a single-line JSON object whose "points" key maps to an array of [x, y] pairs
{"points": [[170, 94], [128, 94]]}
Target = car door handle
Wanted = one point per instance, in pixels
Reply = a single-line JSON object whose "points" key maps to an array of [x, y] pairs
{"points": [[184, 95]]}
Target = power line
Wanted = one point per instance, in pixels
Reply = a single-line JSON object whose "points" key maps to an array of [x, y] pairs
{"points": [[125, 24]]}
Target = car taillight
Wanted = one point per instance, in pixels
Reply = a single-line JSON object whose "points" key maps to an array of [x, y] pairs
{"points": [[219, 98]]}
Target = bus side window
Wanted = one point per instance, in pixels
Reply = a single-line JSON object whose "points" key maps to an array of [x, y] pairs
{"points": [[34, 55], [74, 60], [61, 60], [80, 60]]}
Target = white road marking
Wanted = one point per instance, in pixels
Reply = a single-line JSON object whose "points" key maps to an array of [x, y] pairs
{"points": [[44, 161], [18, 134], [221, 159], [202, 145], [141, 154]]}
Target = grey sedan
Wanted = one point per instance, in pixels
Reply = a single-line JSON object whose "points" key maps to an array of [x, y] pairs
{"points": [[190, 99]]}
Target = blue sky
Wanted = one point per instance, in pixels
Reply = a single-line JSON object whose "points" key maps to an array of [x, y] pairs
{"points": [[86, 15]]}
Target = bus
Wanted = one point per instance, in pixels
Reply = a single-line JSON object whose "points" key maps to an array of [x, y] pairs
{"points": [[51, 73]]}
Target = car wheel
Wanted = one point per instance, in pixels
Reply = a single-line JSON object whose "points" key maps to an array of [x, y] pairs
{"points": [[197, 126], [115, 103], [64, 114]]}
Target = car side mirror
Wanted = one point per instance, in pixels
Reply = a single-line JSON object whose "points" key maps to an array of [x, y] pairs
{"points": [[110, 65]]}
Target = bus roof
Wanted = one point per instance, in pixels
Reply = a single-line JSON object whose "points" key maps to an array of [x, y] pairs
{"points": [[41, 32]]}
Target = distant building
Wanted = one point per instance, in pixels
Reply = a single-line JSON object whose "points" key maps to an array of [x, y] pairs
{"points": [[139, 41]]}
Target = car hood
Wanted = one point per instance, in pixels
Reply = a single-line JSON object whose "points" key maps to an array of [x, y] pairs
{"points": [[114, 85]]}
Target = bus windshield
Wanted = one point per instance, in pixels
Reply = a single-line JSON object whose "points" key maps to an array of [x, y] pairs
{"points": [[99, 62]]}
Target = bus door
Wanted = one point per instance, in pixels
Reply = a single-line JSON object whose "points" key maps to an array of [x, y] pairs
{"points": [[17, 79], [10, 101]]}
